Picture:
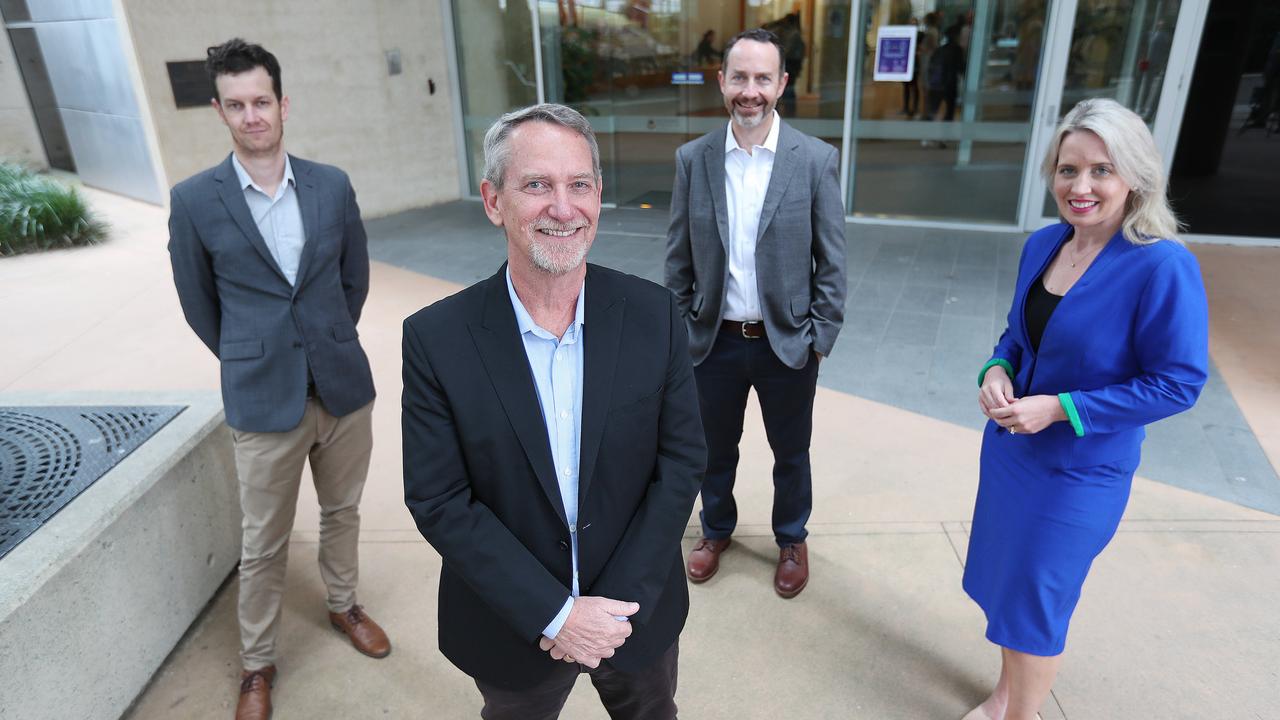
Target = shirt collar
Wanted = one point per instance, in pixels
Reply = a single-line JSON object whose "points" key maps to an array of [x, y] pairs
{"points": [[247, 182], [525, 323], [770, 141]]}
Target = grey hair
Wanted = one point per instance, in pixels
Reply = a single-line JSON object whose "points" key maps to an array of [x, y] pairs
{"points": [[497, 151], [1148, 217]]}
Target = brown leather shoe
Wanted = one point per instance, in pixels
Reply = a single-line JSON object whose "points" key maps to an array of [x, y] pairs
{"points": [[793, 570], [365, 634], [704, 559], [255, 694]]}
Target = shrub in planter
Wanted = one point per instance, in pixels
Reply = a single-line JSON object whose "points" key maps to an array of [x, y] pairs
{"points": [[37, 213]]}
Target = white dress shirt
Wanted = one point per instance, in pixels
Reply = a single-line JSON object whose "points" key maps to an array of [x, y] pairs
{"points": [[746, 180], [278, 217]]}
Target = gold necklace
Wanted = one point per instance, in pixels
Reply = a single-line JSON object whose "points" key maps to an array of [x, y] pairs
{"points": [[1080, 258]]}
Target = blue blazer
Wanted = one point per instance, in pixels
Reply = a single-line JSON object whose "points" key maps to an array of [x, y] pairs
{"points": [[266, 332], [1127, 345]]}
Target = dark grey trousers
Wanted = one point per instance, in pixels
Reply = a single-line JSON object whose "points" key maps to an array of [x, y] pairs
{"points": [[646, 695]]}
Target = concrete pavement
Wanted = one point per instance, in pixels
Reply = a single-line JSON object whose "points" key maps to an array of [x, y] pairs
{"points": [[1177, 618]]}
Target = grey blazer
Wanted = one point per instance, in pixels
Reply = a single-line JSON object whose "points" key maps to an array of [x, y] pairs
{"points": [[800, 248], [266, 332]]}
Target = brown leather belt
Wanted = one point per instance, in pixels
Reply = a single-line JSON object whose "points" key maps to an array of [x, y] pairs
{"points": [[753, 330]]}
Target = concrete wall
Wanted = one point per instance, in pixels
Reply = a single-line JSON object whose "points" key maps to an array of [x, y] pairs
{"points": [[93, 602], [94, 96], [394, 138], [19, 137]]}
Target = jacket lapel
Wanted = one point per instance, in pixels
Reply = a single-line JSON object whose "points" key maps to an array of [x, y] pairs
{"points": [[713, 155], [501, 349], [784, 166], [603, 336], [1024, 284], [1114, 249], [232, 196], [309, 205]]}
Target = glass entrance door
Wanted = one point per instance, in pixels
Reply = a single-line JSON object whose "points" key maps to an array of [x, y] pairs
{"points": [[644, 73], [620, 64], [1135, 52], [950, 143]]}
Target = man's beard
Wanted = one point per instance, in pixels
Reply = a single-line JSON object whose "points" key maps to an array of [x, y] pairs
{"points": [[556, 256], [751, 122]]}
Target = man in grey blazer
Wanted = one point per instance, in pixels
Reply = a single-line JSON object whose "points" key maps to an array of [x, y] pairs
{"points": [[755, 257], [271, 265]]}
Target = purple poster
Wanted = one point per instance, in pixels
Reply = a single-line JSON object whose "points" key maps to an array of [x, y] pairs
{"points": [[895, 53]]}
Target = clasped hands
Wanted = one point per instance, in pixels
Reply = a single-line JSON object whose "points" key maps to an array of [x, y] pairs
{"points": [[595, 628], [1028, 415]]}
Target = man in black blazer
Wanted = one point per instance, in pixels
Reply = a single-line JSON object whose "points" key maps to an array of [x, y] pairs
{"points": [[272, 270], [553, 447]]}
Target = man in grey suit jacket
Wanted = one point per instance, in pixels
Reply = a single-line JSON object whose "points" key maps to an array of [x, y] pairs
{"points": [[755, 257], [271, 265]]}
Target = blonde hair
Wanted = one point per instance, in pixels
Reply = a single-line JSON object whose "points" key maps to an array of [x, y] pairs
{"points": [[1148, 217]]}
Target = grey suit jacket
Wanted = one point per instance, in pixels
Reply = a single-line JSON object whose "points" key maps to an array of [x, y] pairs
{"points": [[266, 332], [800, 248]]}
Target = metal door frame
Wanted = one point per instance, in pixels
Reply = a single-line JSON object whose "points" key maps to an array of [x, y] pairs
{"points": [[1168, 119]]}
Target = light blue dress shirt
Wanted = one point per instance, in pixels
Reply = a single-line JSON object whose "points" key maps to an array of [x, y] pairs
{"points": [[278, 217], [556, 364]]}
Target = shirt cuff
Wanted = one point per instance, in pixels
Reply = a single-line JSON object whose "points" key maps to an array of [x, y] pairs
{"points": [[557, 622], [1008, 368], [1073, 415]]}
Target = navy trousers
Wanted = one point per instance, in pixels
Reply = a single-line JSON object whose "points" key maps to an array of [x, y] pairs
{"points": [[735, 365]]}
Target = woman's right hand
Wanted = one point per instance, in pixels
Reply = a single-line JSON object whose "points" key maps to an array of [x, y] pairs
{"points": [[996, 390]]}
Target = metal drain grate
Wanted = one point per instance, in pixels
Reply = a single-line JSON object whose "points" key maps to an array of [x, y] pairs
{"points": [[49, 455]]}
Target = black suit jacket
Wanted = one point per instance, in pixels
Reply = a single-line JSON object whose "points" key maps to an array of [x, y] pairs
{"points": [[481, 486]]}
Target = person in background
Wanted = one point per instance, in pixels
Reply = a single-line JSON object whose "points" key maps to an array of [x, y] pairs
{"points": [[911, 88], [271, 266], [756, 259], [945, 66], [706, 52], [1107, 333]]}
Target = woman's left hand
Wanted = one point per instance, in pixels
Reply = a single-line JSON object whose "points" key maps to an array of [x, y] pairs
{"points": [[1029, 415]]}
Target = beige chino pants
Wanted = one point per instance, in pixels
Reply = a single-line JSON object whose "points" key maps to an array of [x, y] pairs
{"points": [[270, 470]]}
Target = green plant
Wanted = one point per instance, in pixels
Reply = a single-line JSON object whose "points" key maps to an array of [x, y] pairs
{"points": [[38, 213]]}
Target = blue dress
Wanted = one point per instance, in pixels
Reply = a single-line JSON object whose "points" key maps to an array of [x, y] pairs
{"points": [[1126, 346]]}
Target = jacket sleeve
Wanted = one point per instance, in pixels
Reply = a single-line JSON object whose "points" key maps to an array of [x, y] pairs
{"points": [[355, 258], [830, 279], [678, 272], [472, 541], [640, 565], [1171, 342], [193, 275], [1008, 353]]}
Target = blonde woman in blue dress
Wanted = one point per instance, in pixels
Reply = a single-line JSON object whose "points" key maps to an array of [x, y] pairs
{"points": [[1108, 332]]}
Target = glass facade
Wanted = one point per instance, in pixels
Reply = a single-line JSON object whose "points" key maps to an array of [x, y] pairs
{"points": [[951, 144]]}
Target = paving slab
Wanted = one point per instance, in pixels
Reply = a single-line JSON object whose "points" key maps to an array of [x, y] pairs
{"points": [[1177, 621]]}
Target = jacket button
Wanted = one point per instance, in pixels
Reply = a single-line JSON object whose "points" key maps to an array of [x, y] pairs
{"points": [[297, 344], [564, 545]]}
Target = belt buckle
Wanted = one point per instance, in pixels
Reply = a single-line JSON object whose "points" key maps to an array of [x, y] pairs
{"points": [[748, 324]]}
